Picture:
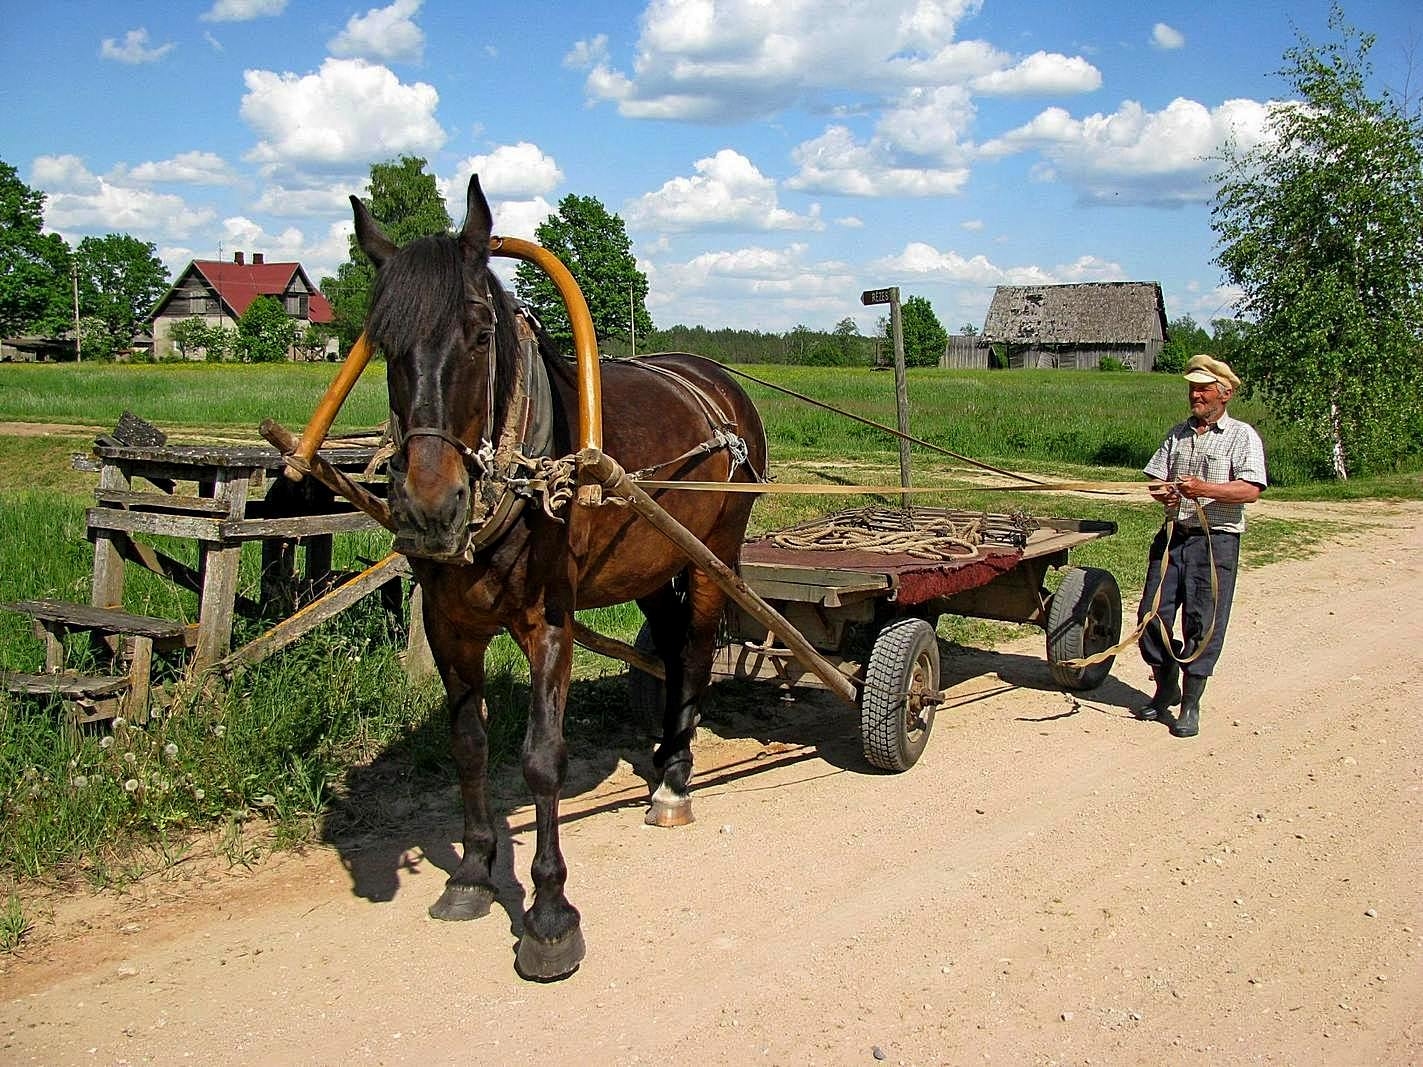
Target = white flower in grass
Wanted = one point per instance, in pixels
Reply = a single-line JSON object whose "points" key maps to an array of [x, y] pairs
{"points": [[219, 730], [106, 742], [131, 786], [199, 794], [79, 781], [266, 800], [170, 750], [120, 723], [130, 758]]}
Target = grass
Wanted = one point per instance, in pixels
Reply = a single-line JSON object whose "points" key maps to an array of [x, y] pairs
{"points": [[306, 744]]}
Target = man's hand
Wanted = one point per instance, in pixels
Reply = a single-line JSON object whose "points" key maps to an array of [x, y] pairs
{"points": [[1165, 492], [1193, 488]]}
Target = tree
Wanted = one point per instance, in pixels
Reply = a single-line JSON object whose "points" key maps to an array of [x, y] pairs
{"points": [[1322, 228], [1184, 338], [35, 281], [265, 332], [407, 204], [120, 278], [924, 337], [593, 244]]}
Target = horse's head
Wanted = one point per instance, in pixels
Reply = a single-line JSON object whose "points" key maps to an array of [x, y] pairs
{"points": [[442, 319]]}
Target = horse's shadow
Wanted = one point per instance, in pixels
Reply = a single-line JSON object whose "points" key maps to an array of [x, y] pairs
{"points": [[397, 819]]}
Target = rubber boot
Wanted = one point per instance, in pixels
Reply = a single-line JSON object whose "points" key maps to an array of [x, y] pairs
{"points": [[1168, 691], [1188, 723]]}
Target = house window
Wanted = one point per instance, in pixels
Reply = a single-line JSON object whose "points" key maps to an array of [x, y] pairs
{"points": [[297, 305], [202, 304]]}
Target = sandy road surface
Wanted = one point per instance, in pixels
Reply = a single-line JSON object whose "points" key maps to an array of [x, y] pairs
{"points": [[1055, 882]]}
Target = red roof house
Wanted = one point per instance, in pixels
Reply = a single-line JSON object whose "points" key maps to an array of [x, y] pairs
{"points": [[219, 292]]}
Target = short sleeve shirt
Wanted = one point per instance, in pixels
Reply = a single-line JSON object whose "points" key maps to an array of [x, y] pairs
{"points": [[1229, 451]]}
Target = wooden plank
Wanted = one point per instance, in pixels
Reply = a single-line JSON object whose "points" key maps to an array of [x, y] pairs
{"points": [[105, 520], [296, 528], [67, 684], [98, 620], [392, 567], [107, 586], [180, 502]]}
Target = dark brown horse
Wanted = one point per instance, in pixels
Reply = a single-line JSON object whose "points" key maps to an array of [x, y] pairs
{"points": [[482, 416]]}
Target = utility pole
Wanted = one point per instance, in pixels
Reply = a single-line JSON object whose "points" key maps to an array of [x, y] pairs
{"points": [[78, 337], [890, 296]]}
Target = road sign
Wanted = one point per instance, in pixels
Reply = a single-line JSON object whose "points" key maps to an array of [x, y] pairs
{"points": [[879, 296]]}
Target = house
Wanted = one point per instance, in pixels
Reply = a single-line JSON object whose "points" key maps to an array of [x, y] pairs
{"points": [[1077, 325], [219, 292]]}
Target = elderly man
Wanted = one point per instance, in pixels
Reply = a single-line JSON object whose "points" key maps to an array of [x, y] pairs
{"points": [[1218, 462]]}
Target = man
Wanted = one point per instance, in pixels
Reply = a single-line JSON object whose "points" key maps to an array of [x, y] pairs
{"points": [[1218, 462]]}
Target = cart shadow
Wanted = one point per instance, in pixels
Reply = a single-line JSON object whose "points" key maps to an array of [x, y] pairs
{"points": [[1017, 671]]}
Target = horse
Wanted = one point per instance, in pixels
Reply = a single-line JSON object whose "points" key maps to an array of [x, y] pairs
{"points": [[484, 415]]}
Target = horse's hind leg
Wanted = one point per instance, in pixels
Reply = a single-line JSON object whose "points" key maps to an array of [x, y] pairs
{"points": [[469, 892], [688, 674]]}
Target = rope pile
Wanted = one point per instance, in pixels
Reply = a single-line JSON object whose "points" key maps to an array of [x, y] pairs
{"points": [[927, 533]]}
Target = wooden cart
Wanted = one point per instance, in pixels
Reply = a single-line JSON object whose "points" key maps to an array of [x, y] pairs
{"points": [[874, 617]]}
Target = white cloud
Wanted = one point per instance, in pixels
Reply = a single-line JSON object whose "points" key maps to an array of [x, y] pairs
{"points": [[243, 10], [514, 218], [66, 173], [752, 288], [107, 207], [835, 163], [510, 171], [851, 222], [304, 201], [384, 33], [729, 60], [192, 168], [930, 264], [1167, 38], [1134, 155], [972, 225], [728, 192], [212, 41], [134, 48], [349, 112], [1042, 72]]}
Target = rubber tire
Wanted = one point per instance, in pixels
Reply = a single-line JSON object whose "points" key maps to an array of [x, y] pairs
{"points": [[646, 695], [1084, 618], [905, 658]]}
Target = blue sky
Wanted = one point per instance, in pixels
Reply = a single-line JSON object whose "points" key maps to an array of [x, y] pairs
{"points": [[771, 159]]}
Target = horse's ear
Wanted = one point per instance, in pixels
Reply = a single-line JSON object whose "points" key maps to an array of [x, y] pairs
{"points": [[478, 221], [369, 236]]}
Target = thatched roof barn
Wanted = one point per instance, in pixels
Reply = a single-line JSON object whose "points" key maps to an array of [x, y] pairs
{"points": [[1077, 325]]}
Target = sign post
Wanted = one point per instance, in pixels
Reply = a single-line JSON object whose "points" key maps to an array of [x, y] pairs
{"points": [[890, 296]]}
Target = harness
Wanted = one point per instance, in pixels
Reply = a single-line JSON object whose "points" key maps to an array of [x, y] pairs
{"points": [[506, 475]]}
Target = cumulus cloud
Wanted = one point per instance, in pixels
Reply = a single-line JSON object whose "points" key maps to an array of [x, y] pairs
{"points": [[304, 201], [190, 168], [753, 288], [1167, 38], [1041, 72], [1138, 156], [243, 10], [134, 48], [730, 60], [728, 192], [510, 171], [348, 113], [92, 205], [947, 266], [64, 173], [835, 162], [388, 34]]}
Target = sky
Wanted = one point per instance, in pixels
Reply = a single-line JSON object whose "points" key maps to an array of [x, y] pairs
{"points": [[771, 158]]}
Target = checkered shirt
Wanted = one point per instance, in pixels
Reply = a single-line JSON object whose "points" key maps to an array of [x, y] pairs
{"points": [[1229, 451]]}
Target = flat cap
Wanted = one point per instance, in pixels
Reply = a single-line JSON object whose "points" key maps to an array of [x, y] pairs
{"points": [[1205, 369]]}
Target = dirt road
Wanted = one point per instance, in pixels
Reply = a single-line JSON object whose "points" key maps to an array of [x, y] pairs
{"points": [[1055, 882]]}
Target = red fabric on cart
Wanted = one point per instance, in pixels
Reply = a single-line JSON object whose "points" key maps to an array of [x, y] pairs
{"points": [[918, 579]]}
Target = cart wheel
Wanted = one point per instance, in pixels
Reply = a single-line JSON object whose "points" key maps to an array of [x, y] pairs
{"points": [[901, 692], [646, 695], [1084, 618]]}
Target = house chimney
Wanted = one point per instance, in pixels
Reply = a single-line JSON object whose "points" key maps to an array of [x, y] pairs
{"points": [[237, 258], [257, 259]]}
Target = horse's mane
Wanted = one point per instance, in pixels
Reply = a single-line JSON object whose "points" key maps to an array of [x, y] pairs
{"points": [[420, 294]]}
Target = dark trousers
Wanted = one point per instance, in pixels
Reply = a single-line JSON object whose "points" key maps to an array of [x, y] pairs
{"points": [[1187, 590]]}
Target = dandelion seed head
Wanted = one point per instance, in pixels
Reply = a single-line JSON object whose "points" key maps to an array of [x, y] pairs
{"points": [[106, 742], [131, 786], [170, 749], [79, 781]]}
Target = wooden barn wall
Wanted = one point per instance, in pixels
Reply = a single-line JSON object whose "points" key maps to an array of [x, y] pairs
{"points": [[964, 352], [1081, 357]]}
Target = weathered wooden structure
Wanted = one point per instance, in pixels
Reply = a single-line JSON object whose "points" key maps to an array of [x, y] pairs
{"points": [[1077, 326], [965, 352]]}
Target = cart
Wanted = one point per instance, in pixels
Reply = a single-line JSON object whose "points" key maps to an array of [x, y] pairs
{"points": [[874, 617]]}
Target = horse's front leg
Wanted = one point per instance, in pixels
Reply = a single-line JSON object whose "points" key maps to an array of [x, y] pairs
{"points": [[552, 943], [470, 891]]}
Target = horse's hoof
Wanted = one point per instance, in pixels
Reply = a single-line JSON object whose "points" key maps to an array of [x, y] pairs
{"points": [[668, 815], [459, 903], [546, 961]]}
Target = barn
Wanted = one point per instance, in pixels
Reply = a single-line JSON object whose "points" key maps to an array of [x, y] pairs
{"points": [[1077, 325], [219, 292]]}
